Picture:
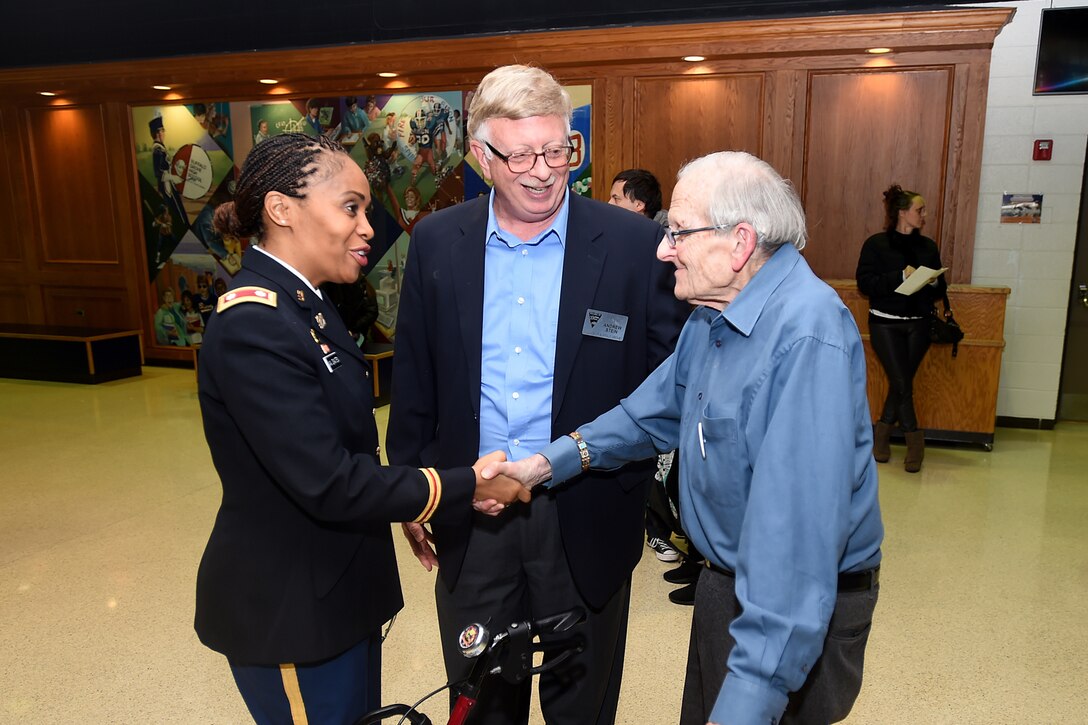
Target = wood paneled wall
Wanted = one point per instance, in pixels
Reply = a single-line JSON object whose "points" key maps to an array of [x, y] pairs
{"points": [[799, 92], [866, 130], [72, 189], [678, 119], [11, 247]]}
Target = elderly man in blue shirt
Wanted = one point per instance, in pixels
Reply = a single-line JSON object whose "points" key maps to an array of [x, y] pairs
{"points": [[765, 398]]}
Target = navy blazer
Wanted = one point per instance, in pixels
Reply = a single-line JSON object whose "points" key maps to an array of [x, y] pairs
{"points": [[300, 564], [609, 265]]}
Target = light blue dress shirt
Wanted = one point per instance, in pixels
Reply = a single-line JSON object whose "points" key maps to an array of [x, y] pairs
{"points": [[522, 284], [766, 402]]}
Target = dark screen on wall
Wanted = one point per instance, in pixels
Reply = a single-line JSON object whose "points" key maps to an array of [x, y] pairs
{"points": [[1062, 66]]}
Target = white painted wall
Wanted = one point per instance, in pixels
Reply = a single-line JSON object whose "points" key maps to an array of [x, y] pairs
{"points": [[1034, 260]]}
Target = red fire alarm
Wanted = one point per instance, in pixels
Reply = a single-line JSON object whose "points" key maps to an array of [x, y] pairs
{"points": [[1043, 148]]}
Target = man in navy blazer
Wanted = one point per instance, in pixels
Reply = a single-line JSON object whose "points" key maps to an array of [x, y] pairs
{"points": [[522, 315]]}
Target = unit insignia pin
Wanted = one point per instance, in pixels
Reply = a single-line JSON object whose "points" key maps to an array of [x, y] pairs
{"points": [[301, 297], [320, 320]]}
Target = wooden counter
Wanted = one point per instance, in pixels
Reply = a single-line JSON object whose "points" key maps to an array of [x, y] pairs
{"points": [[955, 397]]}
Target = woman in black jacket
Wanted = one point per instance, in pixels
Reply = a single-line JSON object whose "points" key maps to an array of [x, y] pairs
{"points": [[299, 572], [898, 323]]}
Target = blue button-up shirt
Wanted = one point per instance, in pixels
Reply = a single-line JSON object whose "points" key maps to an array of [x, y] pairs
{"points": [[766, 402], [522, 281]]}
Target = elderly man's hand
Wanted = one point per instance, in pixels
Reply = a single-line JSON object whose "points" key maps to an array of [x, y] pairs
{"points": [[529, 471], [494, 493]]}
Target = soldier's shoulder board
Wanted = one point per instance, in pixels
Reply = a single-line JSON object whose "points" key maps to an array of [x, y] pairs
{"points": [[246, 294]]}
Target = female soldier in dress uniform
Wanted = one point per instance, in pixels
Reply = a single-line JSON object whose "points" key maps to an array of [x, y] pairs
{"points": [[299, 573]]}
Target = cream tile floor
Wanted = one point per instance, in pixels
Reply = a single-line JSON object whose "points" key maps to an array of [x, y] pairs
{"points": [[108, 494]]}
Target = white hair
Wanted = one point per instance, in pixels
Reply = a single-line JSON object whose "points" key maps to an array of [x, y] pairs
{"points": [[738, 187]]}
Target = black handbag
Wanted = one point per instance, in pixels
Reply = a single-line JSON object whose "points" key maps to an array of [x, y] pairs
{"points": [[943, 329]]}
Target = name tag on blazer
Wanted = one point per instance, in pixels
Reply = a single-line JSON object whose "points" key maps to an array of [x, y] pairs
{"points": [[332, 361], [605, 325]]}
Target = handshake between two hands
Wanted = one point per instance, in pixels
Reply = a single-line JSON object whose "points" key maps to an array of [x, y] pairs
{"points": [[499, 483]]}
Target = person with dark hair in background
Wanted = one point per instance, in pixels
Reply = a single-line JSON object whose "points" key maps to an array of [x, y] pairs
{"points": [[167, 181], [299, 572], [372, 110], [355, 121], [521, 313], [204, 299], [639, 191], [898, 323], [411, 211], [313, 117], [765, 399], [379, 170], [194, 323], [216, 123], [163, 225]]}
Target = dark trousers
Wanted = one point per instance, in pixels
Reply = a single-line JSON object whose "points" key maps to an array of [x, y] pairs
{"points": [[336, 691], [657, 526], [516, 569], [831, 687], [900, 346]]}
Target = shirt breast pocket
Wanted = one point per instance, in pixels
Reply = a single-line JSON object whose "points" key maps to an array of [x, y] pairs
{"points": [[722, 455]]}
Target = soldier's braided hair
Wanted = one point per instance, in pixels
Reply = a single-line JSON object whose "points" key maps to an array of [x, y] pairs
{"points": [[283, 163]]}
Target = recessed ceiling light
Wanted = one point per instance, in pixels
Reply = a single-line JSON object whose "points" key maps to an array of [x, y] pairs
{"points": [[269, 81], [693, 58], [387, 74], [46, 93], [878, 51], [161, 88]]}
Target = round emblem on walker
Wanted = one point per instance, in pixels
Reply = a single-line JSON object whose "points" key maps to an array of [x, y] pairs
{"points": [[473, 640]]}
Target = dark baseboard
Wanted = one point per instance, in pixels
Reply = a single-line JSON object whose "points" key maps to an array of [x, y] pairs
{"points": [[164, 363], [952, 437], [1005, 421]]}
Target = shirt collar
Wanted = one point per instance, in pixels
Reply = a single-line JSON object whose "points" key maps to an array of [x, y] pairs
{"points": [[744, 311], [558, 226], [289, 268]]}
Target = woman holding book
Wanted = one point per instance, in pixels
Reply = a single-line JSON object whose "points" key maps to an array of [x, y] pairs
{"points": [[899, 323]]}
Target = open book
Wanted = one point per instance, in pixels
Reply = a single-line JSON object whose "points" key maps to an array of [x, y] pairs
{"points": [[918, 279]]}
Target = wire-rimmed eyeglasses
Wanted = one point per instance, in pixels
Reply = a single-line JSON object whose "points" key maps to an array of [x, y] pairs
{"points": [[521, 161], [672, 236]]}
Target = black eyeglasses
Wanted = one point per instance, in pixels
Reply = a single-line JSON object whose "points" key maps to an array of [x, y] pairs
{"points": [[555, 157], [672, 236]]}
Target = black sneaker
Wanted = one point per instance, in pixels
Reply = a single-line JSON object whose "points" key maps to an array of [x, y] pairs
{"points": [[684, 595], [664, 550], [686, 573]]}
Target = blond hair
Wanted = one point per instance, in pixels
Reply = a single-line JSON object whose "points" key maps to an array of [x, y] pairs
{"points": [[516, 92]]}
